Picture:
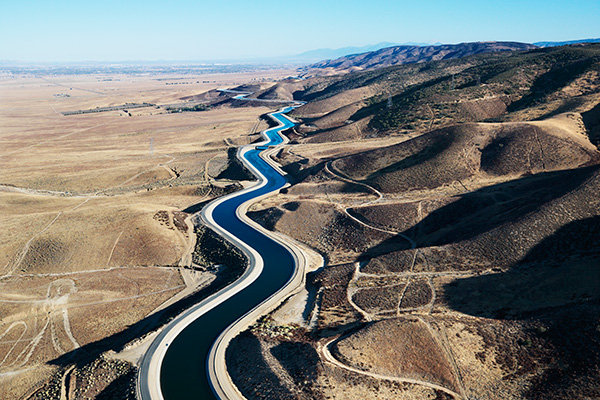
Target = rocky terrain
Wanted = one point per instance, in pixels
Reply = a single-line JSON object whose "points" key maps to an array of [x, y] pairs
{"points": [[454, 204]]}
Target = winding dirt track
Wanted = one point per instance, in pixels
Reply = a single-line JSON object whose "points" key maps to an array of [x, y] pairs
{"points": [[324, 350], [336, 174], [326, 354]]}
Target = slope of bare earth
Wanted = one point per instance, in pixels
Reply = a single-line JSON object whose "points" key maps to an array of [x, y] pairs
{"points": [[502, 86], [283, 90], [319, 108], [473, 151], [460, 262], [417, 357], [95, 212]]}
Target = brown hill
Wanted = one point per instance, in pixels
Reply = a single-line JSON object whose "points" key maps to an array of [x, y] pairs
{"points": [[468, 151], [210, 97], [481, 246], [492, 227], [283, 90], [500, 86], [414, 54]]}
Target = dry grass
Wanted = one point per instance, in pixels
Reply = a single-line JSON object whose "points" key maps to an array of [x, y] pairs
{"points": [[46, 316], [497, 300], [473, 151], [399, 348], [90, 206], [319, 108], [103, 232], [323, 227]]}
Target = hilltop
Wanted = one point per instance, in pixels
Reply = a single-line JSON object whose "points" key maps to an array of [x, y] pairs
{"points": [[552, 44], [504, 86], [396, 55], [454, 204]]}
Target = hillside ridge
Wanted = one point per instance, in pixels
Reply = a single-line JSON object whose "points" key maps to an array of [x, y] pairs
{"points": [[403, 54]]}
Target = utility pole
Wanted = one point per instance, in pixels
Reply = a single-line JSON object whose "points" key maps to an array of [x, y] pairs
{"points": [[151, 146]]}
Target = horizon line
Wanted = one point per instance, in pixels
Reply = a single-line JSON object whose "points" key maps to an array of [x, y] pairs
{"points": [[257, 60]]}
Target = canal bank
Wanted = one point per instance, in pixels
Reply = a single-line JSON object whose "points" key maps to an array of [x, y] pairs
{"points": [[182, 362]]}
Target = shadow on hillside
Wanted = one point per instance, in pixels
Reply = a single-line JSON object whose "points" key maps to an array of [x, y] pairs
{"points": [[568, 106], [250, 371], [591, 120], [235, 170], [485, 209], [550, 275], [438, 143], [400, 101], [552, 81], [557, 286], [301, 361], [121, 388], [193, 209], [215, 192], [296, 172]]}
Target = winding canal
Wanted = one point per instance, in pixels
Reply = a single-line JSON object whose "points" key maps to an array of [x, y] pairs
{"points": [[184, 366]]}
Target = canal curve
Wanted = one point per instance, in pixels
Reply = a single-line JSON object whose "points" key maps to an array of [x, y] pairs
{"points": [[180, 361]]}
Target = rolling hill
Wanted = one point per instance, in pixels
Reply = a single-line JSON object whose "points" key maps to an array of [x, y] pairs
{"points": [[396, 55], [454, 204], [503, 86]]}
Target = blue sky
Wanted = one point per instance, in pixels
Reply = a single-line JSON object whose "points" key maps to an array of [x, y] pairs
{"points": [[59, 30]]}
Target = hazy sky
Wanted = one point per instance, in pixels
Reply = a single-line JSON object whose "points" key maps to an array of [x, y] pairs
{"points": [[108, 30]]}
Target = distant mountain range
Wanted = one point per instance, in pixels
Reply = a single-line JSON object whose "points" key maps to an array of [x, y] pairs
{"points": [[319, 58], [412, 54], [327, 54], [553, 44], [386, 53]]}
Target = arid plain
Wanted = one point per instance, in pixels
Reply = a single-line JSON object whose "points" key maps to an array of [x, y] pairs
{"points": [[93, 236]]}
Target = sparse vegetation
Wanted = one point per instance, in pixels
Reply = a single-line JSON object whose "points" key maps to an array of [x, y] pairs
{"points": [[197, 107], [100, 232], [212, 250], [476, 88], [468, 257]]}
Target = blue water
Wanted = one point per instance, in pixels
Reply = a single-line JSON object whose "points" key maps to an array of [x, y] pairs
{"points": [[183, 372]]}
